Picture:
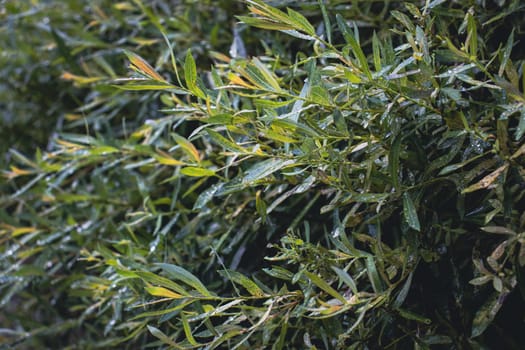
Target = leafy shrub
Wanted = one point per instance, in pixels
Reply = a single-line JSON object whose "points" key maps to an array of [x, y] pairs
{"points": [[356, 185]]}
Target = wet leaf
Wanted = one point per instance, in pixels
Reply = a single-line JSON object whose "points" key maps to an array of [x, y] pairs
{"points": [[178, 273], [244, 281], [196, 171], [410, 212], [486, 314], [319, 282], [143, 67], [265, 168], [487, 180]]}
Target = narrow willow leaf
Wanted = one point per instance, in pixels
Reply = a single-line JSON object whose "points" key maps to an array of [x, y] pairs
{"points": [[506, 53], [152, 278], [453, 167], [455, 71], [373, 275], [404, 20], [279, 136], [413, 316], [519, 152], [410, 212], [157, 333], [486, 314], [264, 23], [102, 150], [319, 282], [187, 147], [19, 231], [244, 281], [143, 67], [172, 57], [224, 142], [164, 312], [319, 95], [365, 198], [326, 20], [196, 171], [479, 281], [356, 48], [346, 278], [472, 35], [260, 206], [165, 159], [268, 76], [265, 168], [393, 162], [300, 22], [520, 130], [206, 196], [187, 330], [487, 180], [163, 292], [190, 75], [499, 230], [279, 345], [185, 276], [259, 75], [376, 49], [403, 293], [144, 86], [260, 8]]}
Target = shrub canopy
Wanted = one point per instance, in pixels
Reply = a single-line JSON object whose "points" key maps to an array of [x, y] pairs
{"points": [[253, 174]]}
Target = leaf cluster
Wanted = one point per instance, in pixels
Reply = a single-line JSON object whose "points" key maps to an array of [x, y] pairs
{"points": [[355, 183]]}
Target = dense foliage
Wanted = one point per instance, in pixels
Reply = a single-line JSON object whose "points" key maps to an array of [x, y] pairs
{"points": [[248, 174]]}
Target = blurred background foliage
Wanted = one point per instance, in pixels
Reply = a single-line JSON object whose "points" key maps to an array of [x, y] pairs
{"points": [[247, 174]]}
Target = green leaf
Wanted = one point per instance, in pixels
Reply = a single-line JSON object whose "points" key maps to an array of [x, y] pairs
{"points": [[224, 142], [404, 20], [520, 130], [345, 277], [187, 147], [260, 76], [157, 333], [325, 286], [351, 40], [413, 316], [196, 171], [152, 278], [326, 20], [486, 314], [265, 168], [187, 330], [300, 22], [410, 212], [393, 162], [163, 292], [244, 281], [190, 75], [178, 273], [373, 275], [264, 23], [376, 49], [472, 35]]}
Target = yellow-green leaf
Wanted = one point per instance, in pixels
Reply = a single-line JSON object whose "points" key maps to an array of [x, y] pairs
{"points": [[190, 75], [325, 286], [163, 292], [196, 171], [140, 65], [187, 147]]}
